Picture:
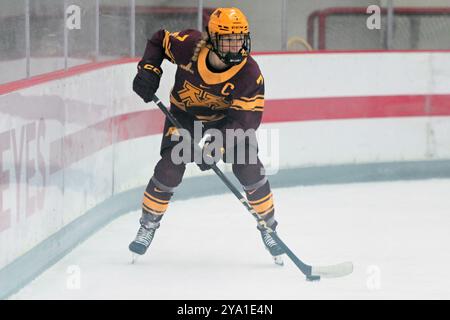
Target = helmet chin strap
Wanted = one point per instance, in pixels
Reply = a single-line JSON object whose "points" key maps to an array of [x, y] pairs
{"points": [[229, 58], [232, 58]]}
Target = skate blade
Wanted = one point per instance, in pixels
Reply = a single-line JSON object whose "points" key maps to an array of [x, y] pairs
{"points": [[278, 260], [134, 258]]}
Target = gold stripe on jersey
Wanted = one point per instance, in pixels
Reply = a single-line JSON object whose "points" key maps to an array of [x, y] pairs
{"points": [[214, 117], [210, 77], [252, 110], [166, 46], [258, 96], [256, 105]]}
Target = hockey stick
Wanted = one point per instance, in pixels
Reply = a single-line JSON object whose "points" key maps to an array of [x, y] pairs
{"points": [[312, 273]]}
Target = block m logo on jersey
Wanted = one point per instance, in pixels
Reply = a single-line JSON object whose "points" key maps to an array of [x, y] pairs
{"points": [[192, 96]]}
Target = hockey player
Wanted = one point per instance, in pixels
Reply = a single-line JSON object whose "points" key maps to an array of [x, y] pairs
{"points": [[218, 83]]}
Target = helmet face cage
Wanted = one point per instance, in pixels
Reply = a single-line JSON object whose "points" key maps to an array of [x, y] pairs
{"points": [[223, 46]]}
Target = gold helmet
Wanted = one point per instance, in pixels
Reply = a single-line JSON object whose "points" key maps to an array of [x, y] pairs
{"points": [[227, 28]]}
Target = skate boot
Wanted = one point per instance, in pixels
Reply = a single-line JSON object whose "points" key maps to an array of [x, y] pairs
{"points": [[270, 243], [149, 223]]}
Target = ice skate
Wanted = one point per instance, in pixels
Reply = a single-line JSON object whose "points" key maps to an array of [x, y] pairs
{"points": [[272, 245], [149, 224]]}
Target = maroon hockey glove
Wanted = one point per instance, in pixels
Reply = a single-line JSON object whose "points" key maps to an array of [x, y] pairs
{"points": [[146, 81]]}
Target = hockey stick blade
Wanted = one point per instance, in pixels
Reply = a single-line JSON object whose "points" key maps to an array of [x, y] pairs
{"points": [[314, 273], [333, 271]]}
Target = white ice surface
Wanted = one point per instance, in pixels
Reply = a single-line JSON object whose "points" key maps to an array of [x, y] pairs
{"points": [[397, 234]]}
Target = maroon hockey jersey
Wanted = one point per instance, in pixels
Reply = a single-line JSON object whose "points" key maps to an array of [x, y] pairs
{"points": [[236, 94]]}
